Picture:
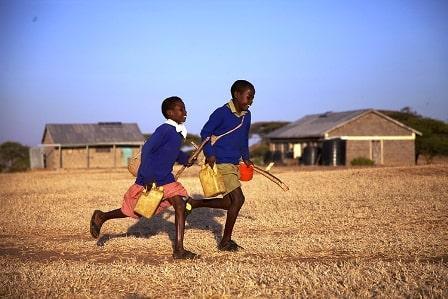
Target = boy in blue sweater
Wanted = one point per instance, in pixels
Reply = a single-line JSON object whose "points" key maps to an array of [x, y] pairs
{"points": [[227, 153], [159, 153]]}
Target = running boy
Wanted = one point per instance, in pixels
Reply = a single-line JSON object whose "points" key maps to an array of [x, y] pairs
{"points": [[159, 154], [227, 153]]}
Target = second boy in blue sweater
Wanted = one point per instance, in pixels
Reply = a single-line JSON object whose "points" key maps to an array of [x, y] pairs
{"points": [[227, 153]]}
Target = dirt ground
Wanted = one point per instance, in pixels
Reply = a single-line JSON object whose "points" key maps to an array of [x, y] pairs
{"points": [[361, 232]]}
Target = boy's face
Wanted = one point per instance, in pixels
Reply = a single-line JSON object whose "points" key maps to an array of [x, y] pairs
{"points": [[178, 113], [244, 99]]}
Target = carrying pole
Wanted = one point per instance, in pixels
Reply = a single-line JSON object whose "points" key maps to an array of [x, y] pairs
{"points": [[194, 156]]}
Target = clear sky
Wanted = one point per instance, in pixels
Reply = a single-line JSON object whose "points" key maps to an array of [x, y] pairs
{"points": [[90, 61]]}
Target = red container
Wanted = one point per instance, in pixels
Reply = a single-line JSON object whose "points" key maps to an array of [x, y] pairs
{"points": [[246, 172]]}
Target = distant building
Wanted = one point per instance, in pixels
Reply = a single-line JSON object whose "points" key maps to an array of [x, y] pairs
{"points": [[101, 145], [336, 138]]}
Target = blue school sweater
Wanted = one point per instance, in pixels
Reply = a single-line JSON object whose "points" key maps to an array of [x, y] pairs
{"points": [[231, 147], [159, 153]]}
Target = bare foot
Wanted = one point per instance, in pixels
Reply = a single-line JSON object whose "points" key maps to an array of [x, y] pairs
{"points": [[95, 223], [184, 255], [229, 246]]}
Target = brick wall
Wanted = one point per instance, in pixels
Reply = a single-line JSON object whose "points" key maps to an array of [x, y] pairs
{"points": [[51, 158], [356, 149], [51, 154], [395, 152], [370, 124], [74, 158], [101, 159], [77, 158], [399, 152]]}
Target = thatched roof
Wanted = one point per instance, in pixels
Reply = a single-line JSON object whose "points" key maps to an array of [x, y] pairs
{"points": [[94, 134], [316, 125]]}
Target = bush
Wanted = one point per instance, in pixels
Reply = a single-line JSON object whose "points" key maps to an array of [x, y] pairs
{"points": [[258, 153], [263, 128], [361, 161], [14, 157], [257, 160], [434, 141]]}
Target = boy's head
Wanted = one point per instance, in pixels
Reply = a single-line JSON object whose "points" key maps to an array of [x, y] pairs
{"points": [[243, 93], [174, 108]]}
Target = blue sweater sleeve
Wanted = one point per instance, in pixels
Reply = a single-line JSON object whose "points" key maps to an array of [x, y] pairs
{"points": [[209, 129], [245, 143], [150, 146], [182, 158]]}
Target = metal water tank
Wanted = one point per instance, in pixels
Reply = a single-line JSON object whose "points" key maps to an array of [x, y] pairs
{"points": [[333, 152], [309, 156]]}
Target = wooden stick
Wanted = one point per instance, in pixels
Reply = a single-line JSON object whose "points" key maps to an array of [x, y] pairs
{"points": [[271, 177], [192, 157]]}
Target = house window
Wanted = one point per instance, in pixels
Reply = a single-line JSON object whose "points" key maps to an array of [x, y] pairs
{"points": [[102, 149]]}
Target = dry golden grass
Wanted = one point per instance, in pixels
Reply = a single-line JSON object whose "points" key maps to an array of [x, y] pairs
{"points": [[342, 233]]}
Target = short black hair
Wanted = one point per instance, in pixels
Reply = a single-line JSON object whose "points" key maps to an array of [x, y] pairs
{"points": [[240, 86], [169, 103]]}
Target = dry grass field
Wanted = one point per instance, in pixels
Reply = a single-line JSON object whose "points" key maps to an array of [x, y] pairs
{"points": [[368, 232]]}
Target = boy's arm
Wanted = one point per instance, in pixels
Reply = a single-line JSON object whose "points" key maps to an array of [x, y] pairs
{"points": [[150, 146], [245, 144], [209, 129], [155, 141], [182, 158]]}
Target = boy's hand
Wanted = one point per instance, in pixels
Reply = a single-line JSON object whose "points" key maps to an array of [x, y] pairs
{"points": [[190, 163], [210, 161], [248, 162]]}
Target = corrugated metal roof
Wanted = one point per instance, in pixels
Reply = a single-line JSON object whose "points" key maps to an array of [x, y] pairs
{"points": [[315, 125], [100, 133]]}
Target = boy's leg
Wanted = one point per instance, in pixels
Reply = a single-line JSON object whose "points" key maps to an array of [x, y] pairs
{"points": [[99, 217], [215, 203], [236, 198], [179, 221]]}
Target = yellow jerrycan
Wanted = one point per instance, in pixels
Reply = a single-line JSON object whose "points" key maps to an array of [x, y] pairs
{"points": [[212, 182], [149, 201]]}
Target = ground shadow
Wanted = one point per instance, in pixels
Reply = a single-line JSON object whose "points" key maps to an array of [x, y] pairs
{"points": [[202, 218]]}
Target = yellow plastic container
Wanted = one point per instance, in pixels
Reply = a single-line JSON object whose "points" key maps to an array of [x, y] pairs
{"points": [[212, 182], [149, 201]]}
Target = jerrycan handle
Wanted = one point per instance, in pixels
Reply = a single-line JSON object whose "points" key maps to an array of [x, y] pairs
{"points": [[214, 168], [153, 187]]}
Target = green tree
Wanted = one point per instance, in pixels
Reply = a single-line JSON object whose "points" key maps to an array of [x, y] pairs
{"points": [[260, 151], [187, 142], [192, 137], [14, 157], [434, 139], [263, 128]]}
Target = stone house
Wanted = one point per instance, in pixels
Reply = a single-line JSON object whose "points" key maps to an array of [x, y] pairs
{"points": [[336, 138], [101, 145]]}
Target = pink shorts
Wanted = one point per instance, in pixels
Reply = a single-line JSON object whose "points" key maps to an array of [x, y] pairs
{"points": [[131, 196]]}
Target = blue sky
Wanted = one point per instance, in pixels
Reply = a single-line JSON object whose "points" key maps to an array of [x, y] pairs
{"points": [[91, 61]]}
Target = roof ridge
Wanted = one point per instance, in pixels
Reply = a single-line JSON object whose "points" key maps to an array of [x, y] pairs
{"points": [[316, 125], [98, 123], [90, 133]]}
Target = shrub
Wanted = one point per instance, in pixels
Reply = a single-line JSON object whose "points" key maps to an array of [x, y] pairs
{"points": [[14, 157], [362, 161], [434, 141]]}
